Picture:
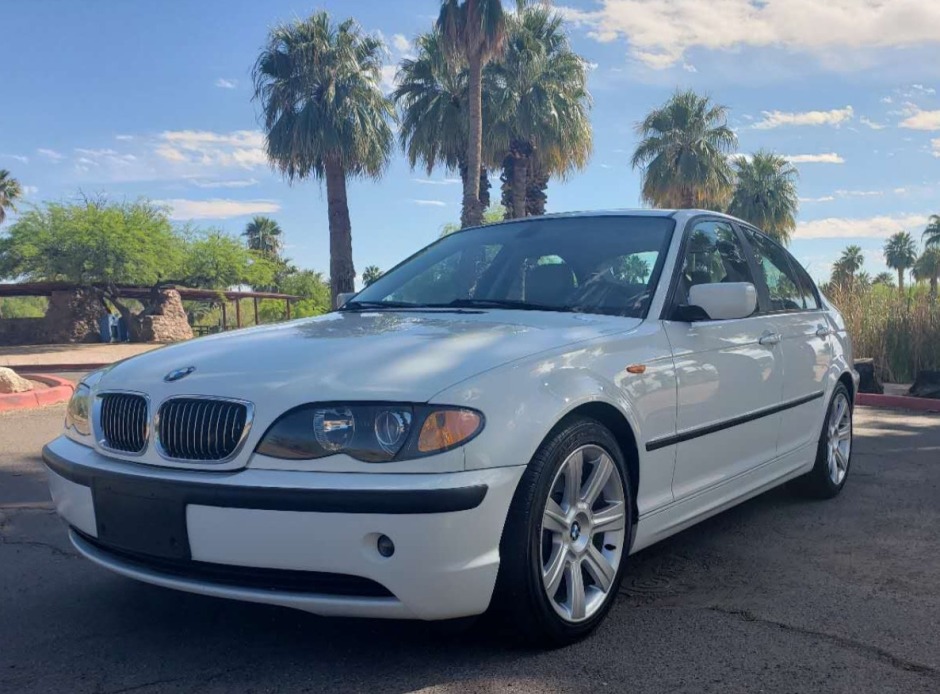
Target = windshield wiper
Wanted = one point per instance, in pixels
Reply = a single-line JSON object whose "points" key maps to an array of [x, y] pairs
{"points": [[511, 304], [354, 305]]}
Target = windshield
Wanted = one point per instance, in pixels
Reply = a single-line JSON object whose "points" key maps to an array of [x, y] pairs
{"points": [[606, 265]]}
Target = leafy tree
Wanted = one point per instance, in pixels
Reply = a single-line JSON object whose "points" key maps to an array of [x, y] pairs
{"points": [[93, 242], [325, 116], [307, 284], [883, 278], [264, 236], [371, 274], [927, 267], [683, 153], [765, 194], [474, 32], [10, 192], [493, 215], [900, 254], [932, 232], [541, 104], [215, 260]]}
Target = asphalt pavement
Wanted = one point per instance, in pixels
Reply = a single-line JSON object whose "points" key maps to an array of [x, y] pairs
{"points": [[778, 594]]}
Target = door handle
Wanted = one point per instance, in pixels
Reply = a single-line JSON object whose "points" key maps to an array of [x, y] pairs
{"points": [[768, 339], [822, 331]]}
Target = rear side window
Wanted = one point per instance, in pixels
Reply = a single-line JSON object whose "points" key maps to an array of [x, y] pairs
{"points": [[808, 287], [786, 293]]}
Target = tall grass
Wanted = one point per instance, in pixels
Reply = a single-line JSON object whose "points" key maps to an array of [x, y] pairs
{"points": [[899, 330]]}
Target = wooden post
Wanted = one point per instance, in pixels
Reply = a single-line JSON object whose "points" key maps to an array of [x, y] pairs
{"points": [[287, 304], [255, 299], [238, 313], [224, 316]]}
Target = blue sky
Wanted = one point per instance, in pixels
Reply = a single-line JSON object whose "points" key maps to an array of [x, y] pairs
{"points": [[133, 98]]}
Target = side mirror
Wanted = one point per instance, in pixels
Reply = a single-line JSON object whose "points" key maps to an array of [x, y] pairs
{"points": [[343, 297], [724, 300]]}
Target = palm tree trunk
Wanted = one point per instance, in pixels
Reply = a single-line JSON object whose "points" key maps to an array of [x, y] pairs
{"points": [[901, 279], [472, 214], [933, 285], [342, 270], [535, 196], [520, 183]]}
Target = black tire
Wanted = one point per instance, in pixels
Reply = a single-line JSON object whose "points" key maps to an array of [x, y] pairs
{"points": [[818, 483], [520, 599]]}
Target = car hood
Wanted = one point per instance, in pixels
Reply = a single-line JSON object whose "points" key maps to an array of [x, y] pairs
{"points": [[407, 356]]}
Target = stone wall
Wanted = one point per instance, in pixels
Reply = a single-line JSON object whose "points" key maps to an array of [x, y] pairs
{"points": [[22, 331], [74, 316]]}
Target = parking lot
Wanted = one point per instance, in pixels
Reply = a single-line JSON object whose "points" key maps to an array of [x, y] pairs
{"points": [[778, 594]]}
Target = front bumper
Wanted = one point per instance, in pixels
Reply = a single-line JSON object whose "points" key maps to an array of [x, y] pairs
{"points": [[181, 529]]}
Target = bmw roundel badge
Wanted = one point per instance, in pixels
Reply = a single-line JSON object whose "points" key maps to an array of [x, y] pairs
{"points": [[179, 374]]}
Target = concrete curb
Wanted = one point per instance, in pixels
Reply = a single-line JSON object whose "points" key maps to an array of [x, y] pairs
{"points": [[60, 390], [898, 402]]}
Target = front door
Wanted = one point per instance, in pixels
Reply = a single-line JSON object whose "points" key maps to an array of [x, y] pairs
{"points": [[728, 371]]}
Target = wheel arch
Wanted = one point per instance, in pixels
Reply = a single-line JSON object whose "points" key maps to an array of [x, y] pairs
{"points": [[846, 379], [614, 420]]}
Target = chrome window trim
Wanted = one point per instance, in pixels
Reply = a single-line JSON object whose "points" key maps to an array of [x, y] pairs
{"points": [[249, 420], [98, 432]]}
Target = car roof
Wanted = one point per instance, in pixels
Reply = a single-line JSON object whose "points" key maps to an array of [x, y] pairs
{"points": [[679, 215]]}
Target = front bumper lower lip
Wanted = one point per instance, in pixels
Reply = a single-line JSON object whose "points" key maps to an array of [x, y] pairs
{"points": [[388, 501]]}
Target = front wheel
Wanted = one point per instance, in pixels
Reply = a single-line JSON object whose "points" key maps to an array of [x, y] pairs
{"points": [[834, 453], [566, 536]]}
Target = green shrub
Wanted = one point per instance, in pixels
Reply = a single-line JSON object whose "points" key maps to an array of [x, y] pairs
{"points": [[899, 330]]}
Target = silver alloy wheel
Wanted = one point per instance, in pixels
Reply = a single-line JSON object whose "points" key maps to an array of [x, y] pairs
{"points": [[839, 438], [582, 533]]}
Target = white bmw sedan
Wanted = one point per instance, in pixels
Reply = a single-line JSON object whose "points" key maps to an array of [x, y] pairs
{"points": [[496, 423]]}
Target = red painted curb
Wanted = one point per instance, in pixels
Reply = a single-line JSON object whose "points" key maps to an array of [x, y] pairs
{"points": [[60, 390], [898, 402]]}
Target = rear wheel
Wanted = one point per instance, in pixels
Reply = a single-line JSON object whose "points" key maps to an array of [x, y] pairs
{"points": [[566, 536], [834, 453]]}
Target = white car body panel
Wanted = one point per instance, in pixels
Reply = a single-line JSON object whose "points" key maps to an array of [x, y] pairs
{"points": [[525, 371]]}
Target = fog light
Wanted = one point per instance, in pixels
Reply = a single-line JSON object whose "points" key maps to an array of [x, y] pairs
{"points": [[385, 546]]}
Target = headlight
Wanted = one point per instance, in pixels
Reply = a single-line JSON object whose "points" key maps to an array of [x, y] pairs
{"points": [[78, 414], [374, 433]]}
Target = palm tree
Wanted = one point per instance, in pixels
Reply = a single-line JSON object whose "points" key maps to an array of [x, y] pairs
{"points": [[683, 153], [845, 268], [900, 254], [883, 278], [325, 116], [541, 104], [932, 232], [765, 194], [432, 99], [371, 274], [927, 267], [10, 191], [264, 236], [473, 31]]}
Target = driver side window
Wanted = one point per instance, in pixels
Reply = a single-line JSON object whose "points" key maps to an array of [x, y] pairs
{"points": [[713, 254]]}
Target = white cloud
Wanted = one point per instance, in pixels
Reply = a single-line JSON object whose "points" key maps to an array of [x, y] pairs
{"points": [[30, 190], [217, 208], [859, 193], [921, 120], [237, 149], [18, 157], [235, 183], [437, 182], [387, 80], [51, 154], [916, 89], [864, 120], [223, 83], [89, 159], [430, 203], [124, 138], [872, 227], [824, 198], [659, 32], [689, 67], [776, 119], [935, 147], [401, 44], [886, 100], [828, 158]]}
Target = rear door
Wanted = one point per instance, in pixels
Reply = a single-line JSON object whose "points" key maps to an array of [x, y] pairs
{"points": [[729, 372], [796, 316]]}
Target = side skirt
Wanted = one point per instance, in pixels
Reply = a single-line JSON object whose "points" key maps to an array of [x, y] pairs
{"points": [[684, 513]]}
